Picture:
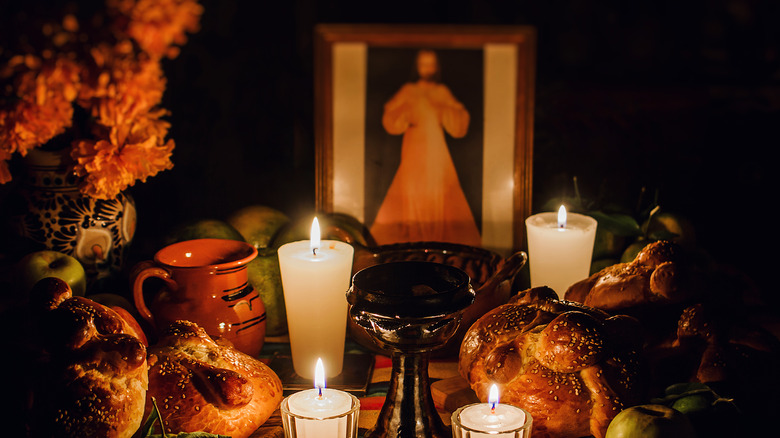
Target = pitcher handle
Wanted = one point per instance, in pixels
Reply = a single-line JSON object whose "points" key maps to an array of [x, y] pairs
{"points": [[141, 272]]}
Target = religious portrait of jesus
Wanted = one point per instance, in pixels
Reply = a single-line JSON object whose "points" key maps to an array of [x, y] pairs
{"points": [[421, 121], [425, 133]]}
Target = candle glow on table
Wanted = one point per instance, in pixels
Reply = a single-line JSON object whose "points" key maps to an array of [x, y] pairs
{"points": [[560, 247], [491, 419], [315, 279], [324, 409]]}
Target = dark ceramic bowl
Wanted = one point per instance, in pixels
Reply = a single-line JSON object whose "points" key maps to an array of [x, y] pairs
{"points": [[409, 306], [491, 277]]}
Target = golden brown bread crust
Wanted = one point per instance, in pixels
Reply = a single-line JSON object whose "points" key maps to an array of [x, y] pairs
{"points": [[656, 276], [201, 384], [95, 378], [571, 367]]}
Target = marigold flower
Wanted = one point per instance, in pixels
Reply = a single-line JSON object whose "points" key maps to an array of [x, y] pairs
{"points": [[43, 106], [119, 83], [124, 155], [156, 25], [120, 88], [5, 174]]}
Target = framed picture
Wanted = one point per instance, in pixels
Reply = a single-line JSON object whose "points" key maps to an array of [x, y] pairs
{"points": [[425, 133]]}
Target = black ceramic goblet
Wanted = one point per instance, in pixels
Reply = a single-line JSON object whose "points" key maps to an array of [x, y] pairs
{"points": [[410, 309]]}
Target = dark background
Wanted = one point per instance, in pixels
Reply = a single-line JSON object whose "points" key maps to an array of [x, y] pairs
{"points": [[682, 98], [388, 70]]}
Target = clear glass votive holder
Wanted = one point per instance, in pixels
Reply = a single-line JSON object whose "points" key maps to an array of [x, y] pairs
{"points": [[344, 425], [472, 431]]}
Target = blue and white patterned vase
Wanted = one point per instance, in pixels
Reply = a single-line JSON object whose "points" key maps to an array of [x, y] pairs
{"points": [[61, 218]]}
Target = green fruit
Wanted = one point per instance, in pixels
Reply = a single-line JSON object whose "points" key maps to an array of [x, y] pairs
{"points": [[607, 244], [650, 421], [202, 229], [258, 224], [265, 277], [632, 250], [670, 226], [47, 263], [348, 229]]}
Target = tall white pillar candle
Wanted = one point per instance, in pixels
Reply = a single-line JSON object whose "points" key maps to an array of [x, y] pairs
{"points": [[315, 279], [560, 247]]}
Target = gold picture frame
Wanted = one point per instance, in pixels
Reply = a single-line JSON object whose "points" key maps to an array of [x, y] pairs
{"points": [[490, 69]]}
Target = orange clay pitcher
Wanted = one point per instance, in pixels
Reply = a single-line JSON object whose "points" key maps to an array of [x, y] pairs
{"points": [[206, 282]]}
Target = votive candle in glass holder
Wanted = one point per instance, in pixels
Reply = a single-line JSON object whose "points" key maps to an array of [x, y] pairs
{"points": [[491, 420], [320, 412]]}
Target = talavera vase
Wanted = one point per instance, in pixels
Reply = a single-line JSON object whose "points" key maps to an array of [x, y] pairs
{"points": [[59, 217]]}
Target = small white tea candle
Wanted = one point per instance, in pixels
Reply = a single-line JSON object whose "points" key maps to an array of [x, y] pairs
{"points": [[491, 419], [315, 279], [560, 247], [319, 405]]}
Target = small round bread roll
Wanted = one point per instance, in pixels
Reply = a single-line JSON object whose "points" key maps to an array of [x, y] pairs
{"points": [[203, 385]]}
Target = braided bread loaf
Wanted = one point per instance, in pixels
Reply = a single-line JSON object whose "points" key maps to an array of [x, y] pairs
{"points": [[572, 367]]}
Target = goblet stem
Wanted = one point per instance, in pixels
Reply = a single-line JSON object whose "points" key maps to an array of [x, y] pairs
{"points": [[408, 411]]}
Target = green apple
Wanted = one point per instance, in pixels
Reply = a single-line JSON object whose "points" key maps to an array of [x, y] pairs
{"points": [[265, 277], [650, 421], [47, 263], [607, 244], [202, 229], [666, 225], [258, 224]]}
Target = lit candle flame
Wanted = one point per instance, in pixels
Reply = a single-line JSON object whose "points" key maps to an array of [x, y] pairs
{"points": [[314, 242], [562, 217], [319, 376], [493, 397]]}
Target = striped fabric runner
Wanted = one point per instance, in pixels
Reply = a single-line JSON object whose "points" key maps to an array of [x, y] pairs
{"points": [[371, 402]]}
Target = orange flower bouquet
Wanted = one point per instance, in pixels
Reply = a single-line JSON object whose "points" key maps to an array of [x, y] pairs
{"points": [[100, 80]]}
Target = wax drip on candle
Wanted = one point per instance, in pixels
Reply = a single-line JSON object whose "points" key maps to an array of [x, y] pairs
{"points": [[319, 377], [562, 217], [493, 398], [314, 241]]}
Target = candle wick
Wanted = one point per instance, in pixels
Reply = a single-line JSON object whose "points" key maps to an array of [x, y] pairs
{"points": [[314, 251], [493, 408], [319, 389]]}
